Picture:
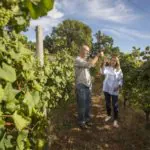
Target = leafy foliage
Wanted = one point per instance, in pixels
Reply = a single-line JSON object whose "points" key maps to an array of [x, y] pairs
{"points": [[16, 14], [103, 41], [28, 92], [70, 34], [39, 8], [137, 79]]}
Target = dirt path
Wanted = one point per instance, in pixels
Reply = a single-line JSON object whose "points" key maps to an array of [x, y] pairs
{"points": [[101, 136]]}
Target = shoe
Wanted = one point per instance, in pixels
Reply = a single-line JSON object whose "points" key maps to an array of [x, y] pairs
{"points": [[115, 124], [107, 118], [83, 126]]}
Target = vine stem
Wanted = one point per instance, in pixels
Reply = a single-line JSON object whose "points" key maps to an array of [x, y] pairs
{"points": [[9, 124], [9, 116], [35, 125]]}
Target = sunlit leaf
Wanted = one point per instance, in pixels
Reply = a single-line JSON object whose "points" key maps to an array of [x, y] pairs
{"points": [[1, 93], [7, 73], [22, 137], [20, 122]]}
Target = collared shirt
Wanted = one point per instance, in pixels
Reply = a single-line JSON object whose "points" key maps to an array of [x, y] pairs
{"points": [[82, 73], [113, 79]]}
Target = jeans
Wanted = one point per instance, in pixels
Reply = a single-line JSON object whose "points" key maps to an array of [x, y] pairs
{"points": [[83, 95], [114, 104]]}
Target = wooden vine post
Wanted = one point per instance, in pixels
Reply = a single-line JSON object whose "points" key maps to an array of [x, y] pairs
{"points": [[39, 50], [39, 45]]}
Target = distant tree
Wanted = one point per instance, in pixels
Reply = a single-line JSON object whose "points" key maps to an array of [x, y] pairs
{"points": [[103, 41], [136, 52], [115, 51], [69, 34], [146, 55]]}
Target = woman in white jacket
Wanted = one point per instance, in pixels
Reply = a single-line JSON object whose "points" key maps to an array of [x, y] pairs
{"points": [[111, 85]]}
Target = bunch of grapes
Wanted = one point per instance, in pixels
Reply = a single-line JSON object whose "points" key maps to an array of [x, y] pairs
{"points": [[5, 16]]}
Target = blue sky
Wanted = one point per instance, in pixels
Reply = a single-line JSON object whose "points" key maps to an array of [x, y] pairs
{"points": [[126, 21]]}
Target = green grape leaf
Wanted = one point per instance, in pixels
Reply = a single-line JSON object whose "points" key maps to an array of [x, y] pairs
{"points": [[41, 143], [1, 93], [7, 73], [22, 137], [36, 97], [2, 146], [48, 4], [28, 100], [39, 9], [37, 86], [10, 93], [2, 48], [58, 95], [11, 106], [2, 123], [58, 79], [20, 20], [7, 142], [19, 121], [14, 55], [32, 9], [24, 51]]}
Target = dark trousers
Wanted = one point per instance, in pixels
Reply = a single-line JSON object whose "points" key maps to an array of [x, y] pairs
{"points": [[83, 95], [114, 98]]}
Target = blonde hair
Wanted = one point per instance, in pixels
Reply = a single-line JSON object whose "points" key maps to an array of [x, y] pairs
{"points": [[117, 66], [108, 63]]}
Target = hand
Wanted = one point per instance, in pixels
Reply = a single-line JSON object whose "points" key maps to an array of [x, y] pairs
{"points": [[100, 54], [117, 59], [116, 89], [105, 60]]}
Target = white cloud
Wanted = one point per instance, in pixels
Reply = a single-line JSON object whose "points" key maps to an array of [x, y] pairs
{"points": [[99, 9], [117, 34], [94, 10], [55, 14], [106, 10], [135, 33], [85, 9], [123, 32]]}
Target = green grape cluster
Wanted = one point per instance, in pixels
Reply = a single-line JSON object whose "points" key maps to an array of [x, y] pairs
{"points": [[5, 16]]}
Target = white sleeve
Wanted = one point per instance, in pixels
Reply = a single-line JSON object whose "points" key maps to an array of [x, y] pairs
{"points": [[120, 78], [104, 70], [101, 70]]}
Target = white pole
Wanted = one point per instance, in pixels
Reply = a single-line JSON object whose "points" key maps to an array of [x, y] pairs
{"points": [[39, 44]]}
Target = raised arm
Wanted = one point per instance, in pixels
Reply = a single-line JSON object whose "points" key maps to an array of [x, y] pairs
{"points": [[86, 64], [103, 68], [120, 78], [81, 63]]}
